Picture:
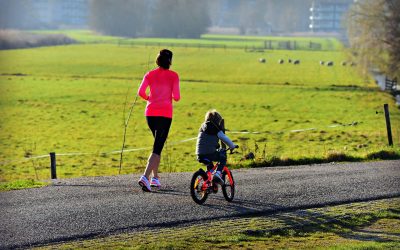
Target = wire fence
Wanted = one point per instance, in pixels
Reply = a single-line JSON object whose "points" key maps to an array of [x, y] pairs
{"points": [[173, 143], [250, 47], [170, 147]]}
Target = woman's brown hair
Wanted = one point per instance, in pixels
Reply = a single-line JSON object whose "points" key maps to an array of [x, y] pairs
{"points": [[164, 58]]}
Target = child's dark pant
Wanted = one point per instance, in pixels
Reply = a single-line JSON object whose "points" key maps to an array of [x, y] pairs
{"points": [[219, 156]]}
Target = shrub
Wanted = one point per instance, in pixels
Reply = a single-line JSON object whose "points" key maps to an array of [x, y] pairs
{"points": [[13, 39], [383, 155]]}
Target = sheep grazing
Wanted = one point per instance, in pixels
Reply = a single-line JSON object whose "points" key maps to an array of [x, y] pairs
{"points": [[344, 63], [321, 62], [330, 63], [352, 64], [281, 61], [261, 60], [296, 62], [289, 60]]}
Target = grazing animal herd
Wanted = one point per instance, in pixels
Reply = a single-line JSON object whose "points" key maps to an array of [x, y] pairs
{"points": [[297, 62], [280, 61]]}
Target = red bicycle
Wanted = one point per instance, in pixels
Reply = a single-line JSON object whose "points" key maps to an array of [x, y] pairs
{"points": [[202, 185]]}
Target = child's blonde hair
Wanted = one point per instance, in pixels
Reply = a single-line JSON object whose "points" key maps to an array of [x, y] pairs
{"points": [[214, 117]]}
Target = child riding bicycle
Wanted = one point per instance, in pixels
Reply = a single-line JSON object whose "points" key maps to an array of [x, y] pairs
{"points": [[207, 146]]}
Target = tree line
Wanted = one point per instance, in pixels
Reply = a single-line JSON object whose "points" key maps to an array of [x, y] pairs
{"points": [[170, 18], [129, 18], [191, 18], [158, 18]]}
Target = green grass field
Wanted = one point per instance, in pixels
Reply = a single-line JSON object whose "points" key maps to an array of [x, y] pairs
{"points": [[70, 99], [228, 41]]}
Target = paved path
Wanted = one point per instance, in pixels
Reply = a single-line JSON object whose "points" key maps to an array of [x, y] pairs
{"points": [[86, 207]]}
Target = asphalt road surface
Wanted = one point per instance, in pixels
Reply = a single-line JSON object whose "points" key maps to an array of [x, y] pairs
{"points": [[86, 207]]}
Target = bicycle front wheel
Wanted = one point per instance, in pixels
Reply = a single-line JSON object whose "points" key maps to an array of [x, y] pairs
{"points": [[198, 187], [228, 189]]}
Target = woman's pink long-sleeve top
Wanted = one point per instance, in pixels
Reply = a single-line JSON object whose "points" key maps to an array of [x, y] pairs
{"points": [[164, 86]]}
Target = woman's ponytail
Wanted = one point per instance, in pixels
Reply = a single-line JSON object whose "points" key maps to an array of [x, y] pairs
{"points": [[164, 59]]}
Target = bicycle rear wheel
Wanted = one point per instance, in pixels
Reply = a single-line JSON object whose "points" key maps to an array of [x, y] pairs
{"points": [[197, 187], [228, 189]]}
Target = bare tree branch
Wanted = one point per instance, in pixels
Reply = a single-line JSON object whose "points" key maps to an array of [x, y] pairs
{"points": [[374, 33]]}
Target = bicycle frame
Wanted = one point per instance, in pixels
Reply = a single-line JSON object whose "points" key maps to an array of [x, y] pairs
{"points": [[209, 176], [202, 184]]}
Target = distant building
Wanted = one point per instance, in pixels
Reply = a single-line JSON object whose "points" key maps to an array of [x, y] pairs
{"points": [[61, 13], [328, 15]]}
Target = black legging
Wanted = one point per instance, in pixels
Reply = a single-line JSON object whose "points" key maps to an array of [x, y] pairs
{"points": [[159, 127]]}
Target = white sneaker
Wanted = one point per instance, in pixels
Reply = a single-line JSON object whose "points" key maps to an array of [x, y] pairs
{"points": [[145, 184], [155, 182], [217, 178]]}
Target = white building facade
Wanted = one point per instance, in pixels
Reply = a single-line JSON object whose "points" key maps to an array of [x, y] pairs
{"points": [[328, 15]]}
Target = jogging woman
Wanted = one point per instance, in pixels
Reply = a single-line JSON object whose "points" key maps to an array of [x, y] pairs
{"points": [[164, 86]]}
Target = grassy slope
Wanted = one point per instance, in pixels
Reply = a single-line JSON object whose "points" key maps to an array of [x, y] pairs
{"points": [[21, 184], [366, 225], [73, 96]]}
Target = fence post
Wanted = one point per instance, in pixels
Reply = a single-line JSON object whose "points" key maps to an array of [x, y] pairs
{"points": [[53, 165], [388, 127]]}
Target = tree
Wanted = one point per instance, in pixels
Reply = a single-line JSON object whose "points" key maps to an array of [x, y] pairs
{"points": [[251, 16], [374, 35], [117, 18], [180, 18], [162, 18]]}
